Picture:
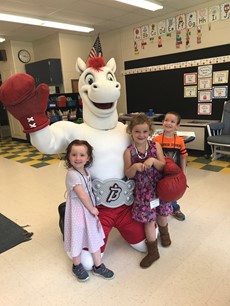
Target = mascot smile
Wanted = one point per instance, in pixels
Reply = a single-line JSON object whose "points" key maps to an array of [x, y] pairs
{"points": [[99, 91]]}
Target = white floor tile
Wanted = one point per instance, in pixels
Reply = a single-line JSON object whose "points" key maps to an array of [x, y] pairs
{"points": [[194, 270]]}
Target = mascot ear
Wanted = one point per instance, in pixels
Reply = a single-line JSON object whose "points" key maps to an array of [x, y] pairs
{"points": [[112, 64], [80, 65]]}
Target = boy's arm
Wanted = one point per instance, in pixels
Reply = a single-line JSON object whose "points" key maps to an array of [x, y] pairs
{"points": [[183, 163]]}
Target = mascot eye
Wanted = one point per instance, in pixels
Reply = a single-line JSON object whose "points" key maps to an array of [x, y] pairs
{"points": [[110, 77], [89, 78]]}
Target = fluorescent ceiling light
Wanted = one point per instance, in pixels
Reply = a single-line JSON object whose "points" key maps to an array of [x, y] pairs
{"points": [[148, 5], [2, 39], [44, 23]]}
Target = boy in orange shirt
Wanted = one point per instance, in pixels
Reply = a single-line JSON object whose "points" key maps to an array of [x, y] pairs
{"points": [[173, 146]]}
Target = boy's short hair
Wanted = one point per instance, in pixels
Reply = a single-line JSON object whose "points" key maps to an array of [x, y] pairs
{"points": [[175, 114]]}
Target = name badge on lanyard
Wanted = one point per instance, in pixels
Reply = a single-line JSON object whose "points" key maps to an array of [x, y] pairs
{"points": [[154, 203]]}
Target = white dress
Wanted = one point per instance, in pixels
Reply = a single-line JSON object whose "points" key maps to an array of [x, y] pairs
{"points": [[81, 228]]}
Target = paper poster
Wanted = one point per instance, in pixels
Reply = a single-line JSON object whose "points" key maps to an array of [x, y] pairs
{"points": [[225, 11], [191, 20], [152, 31], [214, 13], [220, 77], [190, 91], [145, 32], [180, 22], [190, 78], [137, 34], [204, 108], [205, 96], [205, 71], [202, 16], [171, 25], [161, 27], [220, 92]]}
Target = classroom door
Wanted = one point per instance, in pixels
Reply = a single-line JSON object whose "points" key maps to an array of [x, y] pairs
{"points": [[74, 83]]}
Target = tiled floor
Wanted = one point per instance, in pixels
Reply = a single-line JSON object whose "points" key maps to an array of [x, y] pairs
{"points": [[221, 165], [193, 271], [25, 153]]}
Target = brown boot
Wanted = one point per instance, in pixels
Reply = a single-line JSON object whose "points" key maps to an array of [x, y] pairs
{"points": [[152, 255], [164, 235]]}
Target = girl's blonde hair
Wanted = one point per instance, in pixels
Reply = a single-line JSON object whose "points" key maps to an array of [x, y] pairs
{"points": [[140, 119]]}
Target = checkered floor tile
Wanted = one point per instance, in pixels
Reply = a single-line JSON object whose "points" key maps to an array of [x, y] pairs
{"points": [[221, 165], [25, 153]]}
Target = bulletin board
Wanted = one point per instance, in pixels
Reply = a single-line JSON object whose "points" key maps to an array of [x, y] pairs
{"points": [[164, 90]]}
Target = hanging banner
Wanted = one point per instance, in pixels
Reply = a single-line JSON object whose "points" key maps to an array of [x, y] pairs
{"points": [[137, 34], [191, 20], [214, 13], [202, 16], [180, 22], [171, 25], [152, 31], [161, 27], [225, 11], [145, 32]]}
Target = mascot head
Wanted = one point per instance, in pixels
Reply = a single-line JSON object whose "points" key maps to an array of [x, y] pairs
{"points": [[99, 91]]}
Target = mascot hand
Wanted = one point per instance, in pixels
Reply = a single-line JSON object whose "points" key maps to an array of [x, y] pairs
{"points": [[173, 184], [25, 102]]}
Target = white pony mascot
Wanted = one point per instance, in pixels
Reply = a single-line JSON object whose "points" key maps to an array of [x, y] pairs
{"points": [[99, 91]]}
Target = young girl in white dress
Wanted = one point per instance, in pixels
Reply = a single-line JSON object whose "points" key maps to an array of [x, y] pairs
{"points": [[82, 228]]}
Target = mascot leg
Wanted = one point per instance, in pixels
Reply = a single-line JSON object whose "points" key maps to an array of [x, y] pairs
{"points": [[131, 230], [141, 246]]}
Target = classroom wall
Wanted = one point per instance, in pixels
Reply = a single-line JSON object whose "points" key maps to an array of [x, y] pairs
{"points": [[13, 65], [118, 44], [214, 34]]}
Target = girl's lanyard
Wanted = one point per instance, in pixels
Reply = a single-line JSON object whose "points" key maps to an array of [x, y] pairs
{"points": [[174, 152], [86, 186], [98, 221]]}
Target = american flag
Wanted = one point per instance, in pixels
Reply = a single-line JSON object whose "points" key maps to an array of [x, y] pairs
{"points": [[96, 50]]}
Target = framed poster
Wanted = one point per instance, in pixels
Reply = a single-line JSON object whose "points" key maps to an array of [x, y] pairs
{"points": [[190, 78], [205, 96], [220, 92], [220, 77], [190, 91], [205, 71], [204, 108], [204, 83]]}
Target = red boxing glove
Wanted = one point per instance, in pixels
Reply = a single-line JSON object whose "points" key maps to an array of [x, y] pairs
{"points": [[173, 185], [25, 102]]}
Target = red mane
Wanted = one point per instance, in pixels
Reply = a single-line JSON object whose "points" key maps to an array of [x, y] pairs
{"points": [[96, 62]]}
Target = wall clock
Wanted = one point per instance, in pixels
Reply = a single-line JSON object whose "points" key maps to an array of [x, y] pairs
{"points": [[24, 56]]}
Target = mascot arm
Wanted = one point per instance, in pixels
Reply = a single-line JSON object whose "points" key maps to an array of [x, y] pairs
{"points": [[25, 102], [55, 138]]}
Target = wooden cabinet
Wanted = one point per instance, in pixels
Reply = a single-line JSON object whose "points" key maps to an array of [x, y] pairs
{"points": [[16, 128], [47, 71]]}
